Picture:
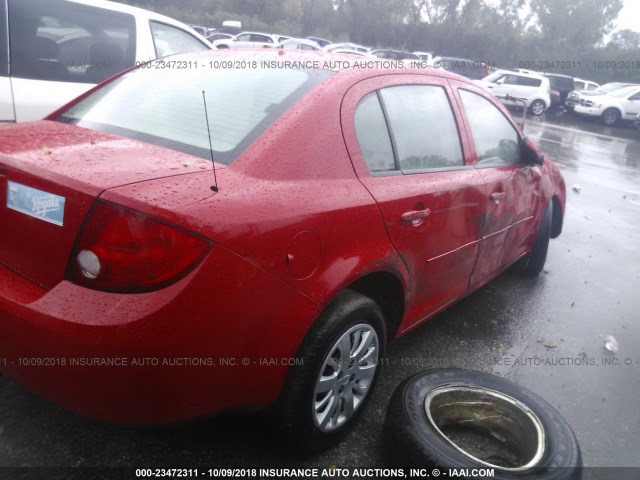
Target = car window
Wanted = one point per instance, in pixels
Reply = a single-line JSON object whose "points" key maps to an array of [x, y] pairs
{"points": [[579, 85], [65, 41], [529, 82], [306, 47], [261, 38], [496, 140], [635, 97], [245, 37], [373, 135], [169, 106], [169, 40], [422, 127], [511, 80]]}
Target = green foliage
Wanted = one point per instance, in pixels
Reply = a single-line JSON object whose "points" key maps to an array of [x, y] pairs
{"points": [[568, 36]]}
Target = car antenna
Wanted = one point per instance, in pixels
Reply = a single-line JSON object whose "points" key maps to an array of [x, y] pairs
{"points": [[213, 187]]}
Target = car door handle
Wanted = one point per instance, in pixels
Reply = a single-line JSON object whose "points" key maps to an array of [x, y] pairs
{"points": [[497, 196], [415, 216]]}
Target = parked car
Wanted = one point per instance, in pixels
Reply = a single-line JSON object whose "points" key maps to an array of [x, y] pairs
{"points": [[323, 42], [394, 54], [59, 49], [169, 269], [534, 89], [249, 40], [575, 98], [621, 104], [581, 84], [472, 69], [219, 36], [298, 44], [348, 46], [346, 51], [563, 84], [556, 99], [204, 31], [425, 57]]}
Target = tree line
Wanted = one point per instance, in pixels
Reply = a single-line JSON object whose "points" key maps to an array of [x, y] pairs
{"points": [[573, 37]]}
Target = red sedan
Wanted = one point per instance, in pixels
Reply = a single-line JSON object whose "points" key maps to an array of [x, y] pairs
{"points": [[140, 282]]}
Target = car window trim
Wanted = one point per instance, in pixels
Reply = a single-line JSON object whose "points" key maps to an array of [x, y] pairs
{"points": [[393, 141]]}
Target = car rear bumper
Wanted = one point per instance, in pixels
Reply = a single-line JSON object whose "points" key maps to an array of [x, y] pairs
{"points": [[222, 337]]}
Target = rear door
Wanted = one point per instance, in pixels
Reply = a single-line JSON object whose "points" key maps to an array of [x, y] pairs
{"points": [[402, 135], [6, 94], [513, 189]]}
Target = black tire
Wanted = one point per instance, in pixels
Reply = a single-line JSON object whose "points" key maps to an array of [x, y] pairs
{"points": [[412, 440], [533, 263], [610, 117], [537, 107], [295, 413]]}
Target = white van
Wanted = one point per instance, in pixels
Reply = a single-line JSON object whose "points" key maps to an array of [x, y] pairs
{"points": [[53, 51]]}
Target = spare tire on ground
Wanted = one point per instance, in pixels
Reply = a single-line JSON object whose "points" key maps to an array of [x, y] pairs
{"points": [[462, 419]]}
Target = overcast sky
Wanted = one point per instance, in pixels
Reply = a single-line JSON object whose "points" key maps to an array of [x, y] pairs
{"points": [[629, 15]]}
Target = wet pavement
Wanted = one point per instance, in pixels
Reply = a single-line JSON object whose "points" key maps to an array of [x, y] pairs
{"points": [[547, 334]]}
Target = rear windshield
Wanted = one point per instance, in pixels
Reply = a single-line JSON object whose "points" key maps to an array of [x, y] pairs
{"points": [[165, 106]]}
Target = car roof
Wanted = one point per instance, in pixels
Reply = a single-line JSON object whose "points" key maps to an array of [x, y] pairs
{"points": [[558, 75], [522, 74], [244, 32]]}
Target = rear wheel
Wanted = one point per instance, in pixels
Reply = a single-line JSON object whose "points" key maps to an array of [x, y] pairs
{"points": [[610, 117], [324, 395], [538, 107]]}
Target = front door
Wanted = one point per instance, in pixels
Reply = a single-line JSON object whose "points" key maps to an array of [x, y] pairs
{"points": [[511, 185]]}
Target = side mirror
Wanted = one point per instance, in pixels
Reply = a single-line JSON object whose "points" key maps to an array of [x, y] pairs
{"points": [[530, 153]]}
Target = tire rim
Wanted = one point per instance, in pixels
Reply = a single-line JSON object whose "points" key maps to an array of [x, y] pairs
{"points": [[345, 377], [537, 108], [492, 417], [609, 118]]}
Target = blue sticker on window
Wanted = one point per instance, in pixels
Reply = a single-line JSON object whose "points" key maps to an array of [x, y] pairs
{"points": [[36, 203]]}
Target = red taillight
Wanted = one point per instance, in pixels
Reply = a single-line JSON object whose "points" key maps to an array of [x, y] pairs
{"points": [[121, 250]]}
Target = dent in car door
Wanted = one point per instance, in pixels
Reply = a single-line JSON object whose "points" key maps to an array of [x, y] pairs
{"points": [[405, 145], [512, 188]]}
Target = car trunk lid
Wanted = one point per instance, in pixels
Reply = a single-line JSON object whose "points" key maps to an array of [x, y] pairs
{"points": [[50, 175]]}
